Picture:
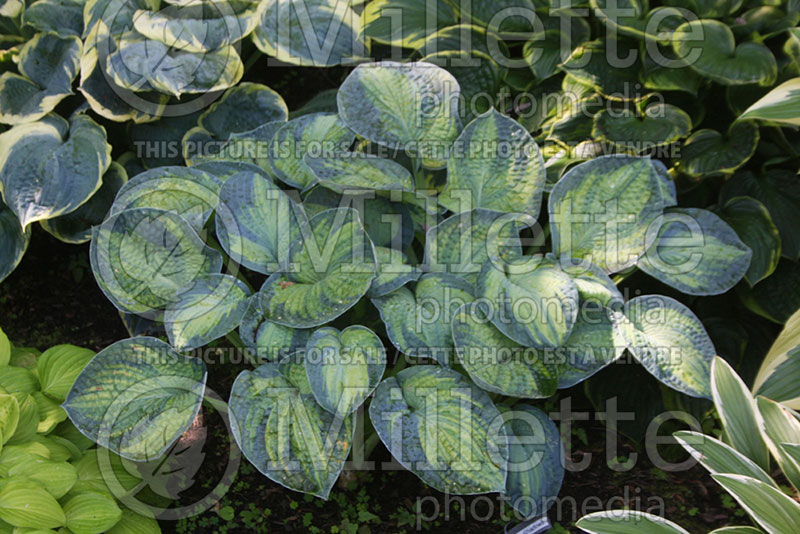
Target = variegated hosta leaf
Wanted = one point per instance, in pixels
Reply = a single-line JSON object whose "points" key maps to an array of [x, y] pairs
{"points": [[670, 75], [443, 429], [593, 344], [344, 367], [256, 222], [510, 178], [588, 65], [716, 56], [76, 227], [463, 243], [63, 17], [47, 64], [696, 252], [251, 147], [601, 210], [779, 105], [551, 43], [460, 37], [394, 271], [136, 397], [331, 266], [484, 13], [670, 341], [45, 173], [213, 306], [13, 241], [532, 301], [660, 124], [315, 133], [635, 18], [535, 460], [144, 258], [708, 152], [422, 113], [419, 322], [752, 222], [284, 433], [627, 522], [351, 171], [770, 508], [498, 364], [193, 194], [405, 23], [166, 134], [779, 425], [224, 170], [719, 457], [270, 341], [594, 285], [777, 376]]}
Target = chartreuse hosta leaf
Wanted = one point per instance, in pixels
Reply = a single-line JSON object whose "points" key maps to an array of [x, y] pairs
{"points": [[670, 341], [781, 104], [56, 477], [779, 425], [256, 222], [777, 377], [635, 18], [270, 341], [13, 241], [58, 367], [213, 306], [752, 222], [770, 508], [421, 115], [592, 345], [406, 23], [312, 33], [495, 362], [9, 417], [659, 124], [351, 171], [144, 258], [45, 172], [331, 266], [91, 511], [394, 271], [710, 49], [627, 522], [419, 322], [696, 252], [343, 368], [707, 152], [509, 178], [443, 429], [136, 397], [47, 65], [284, 433], [601, 210], [535, 460], [26, 504], [315, 133], [532, 301], [718, 457]]}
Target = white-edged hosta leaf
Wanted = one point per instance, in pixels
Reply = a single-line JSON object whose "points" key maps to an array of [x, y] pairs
{"points": [[777, 379], [752, 222], [592, 345], [442, 428], [588, 66], [659, 124], [59, 366], [24, 503], [708, 152], [136, 397], [627, 522], [718, 457], [780, 425], [405, 23], [636, 19], [349, 171], [213, 306], [695, 252], [394, 272], [284, 433], [13, 241], [737, 530], [269, 341], [781, 104], [770, 508], [144, 258], [344, 367]]}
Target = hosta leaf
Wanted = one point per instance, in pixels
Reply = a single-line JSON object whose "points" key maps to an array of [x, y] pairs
{"points": [[508, 179], [44, 175], [351, 171], [64, 17], [421, 114], [24, 503], [660, 124], [18, 379], [781, 104], [144, 258], [483, 12], [737, 530], [158, 143], [777, 377], [344, 367], [57, 478], [419, 322], [593, 284], [708, 152], [671, 342], [256, 222], [270, 341], [47, 64], [551, 45], [663, 72], [495, 362], [636, 19], [717, 457], [696, 252], [464, 37], [394, 271], [90, 512], [136, 397], [478, 77], [777, 297], [251, 147], [773, 510], [707, 8], [59, 366], [315, 33], [284, 433], [133, 523], [443, 429], [226, 169], [315, 133], [9, 417], [716, 56], [28, 424], [50, 412], [594, 71], [592, 345], [406, 23], [780, 425], [331, 267], [627, 522], [207, 310], [13, 241], [752, 222], [535, 460]]}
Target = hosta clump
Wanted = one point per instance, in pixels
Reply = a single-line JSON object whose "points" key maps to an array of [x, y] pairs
{"points": [[327, 238]]}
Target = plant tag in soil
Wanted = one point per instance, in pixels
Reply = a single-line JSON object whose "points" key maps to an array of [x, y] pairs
{"points": [[539, 525]]}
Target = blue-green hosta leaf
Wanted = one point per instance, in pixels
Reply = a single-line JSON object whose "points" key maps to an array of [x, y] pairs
{"points": [[47, 64], [208, 310], [718, 457], [44, 174], [227, 169], [716, 55], [708, 152], [509, 178], [158, 143], [315, 133], [779, 425], [627, 522], [782, 104], [251, 147], [770, 508], [636, 19], [352, 171], [256, 222], [13, 241], [344, 367], [394, 271], [594, 72], [313, 33], [707, 8], [498, 364], [670, 341], [63, 17], [284, 433], [76, 227], [421, 114], [592, 345], [443, 429], [532, 301], [696, 252], [331, 266], [136, 397], [601, 210], [752, 222], [535, 460], [270, 341], [406, 23], [660, 124], [144, 258], [188, 192], [593, 284], [419, 322]]}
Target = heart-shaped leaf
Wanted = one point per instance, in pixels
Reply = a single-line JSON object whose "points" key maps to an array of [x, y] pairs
{"points": [[479, 78], [636, 19], [552, 44], [708, 152], [775, 298], [752, 222], [63, 17], [660, 124], [270, 341], [24, 503], [593, 284], [349, 171], [91, 511], [380, 21]]}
